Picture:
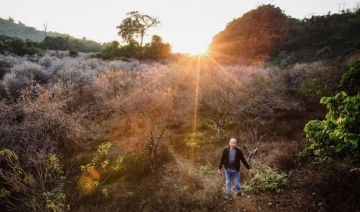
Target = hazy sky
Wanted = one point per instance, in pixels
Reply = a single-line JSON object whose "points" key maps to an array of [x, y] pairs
{"points": [[188, 25]]}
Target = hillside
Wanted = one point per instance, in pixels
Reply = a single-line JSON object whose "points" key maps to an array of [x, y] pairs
{"points": [[24, 32], [13, 36], [267, 34]]}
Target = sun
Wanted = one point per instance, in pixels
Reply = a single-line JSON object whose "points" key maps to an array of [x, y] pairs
{"points": [[197, 50], [192, 47]]}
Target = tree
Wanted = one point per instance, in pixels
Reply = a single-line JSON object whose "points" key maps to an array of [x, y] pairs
{"points": [[45, 28], [136, 24], [217, 104], [11, 20], [20, 47], [144, 121], [157, 49]]}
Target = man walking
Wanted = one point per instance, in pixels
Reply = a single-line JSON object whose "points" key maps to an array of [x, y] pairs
{"points": [[230, 158]]}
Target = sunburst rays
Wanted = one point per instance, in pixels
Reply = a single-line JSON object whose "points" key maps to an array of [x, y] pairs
{"points": [[194, 67]]}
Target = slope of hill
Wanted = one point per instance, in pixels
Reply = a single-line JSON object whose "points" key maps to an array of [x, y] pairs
{"points": [[11, 32], [24, 32], [267, 34]]}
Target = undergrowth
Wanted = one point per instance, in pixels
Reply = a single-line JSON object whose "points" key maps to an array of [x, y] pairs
{"points": [[268, 179]]}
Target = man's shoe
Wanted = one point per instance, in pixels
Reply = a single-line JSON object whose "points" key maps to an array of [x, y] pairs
{"points": [[239, 194]]}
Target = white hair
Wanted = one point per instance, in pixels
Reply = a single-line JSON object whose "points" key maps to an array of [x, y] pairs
{"points": [[233, 140]]}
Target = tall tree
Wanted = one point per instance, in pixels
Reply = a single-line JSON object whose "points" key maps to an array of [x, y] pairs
{"points": [[136, 24]]}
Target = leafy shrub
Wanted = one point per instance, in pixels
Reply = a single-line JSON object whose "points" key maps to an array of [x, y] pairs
{"points": [[74, 53], [267, 180], [339, 134]]}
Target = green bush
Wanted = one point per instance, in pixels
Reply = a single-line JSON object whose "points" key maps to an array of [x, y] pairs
{"points": [[74, 53], [339, 134], [267, 180]]}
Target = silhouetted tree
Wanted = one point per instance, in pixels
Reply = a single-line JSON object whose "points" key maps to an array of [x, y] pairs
{"points": [[136, 24]]}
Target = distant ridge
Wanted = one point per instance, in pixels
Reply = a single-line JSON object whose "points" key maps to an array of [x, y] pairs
{"points": [[24, 32]]}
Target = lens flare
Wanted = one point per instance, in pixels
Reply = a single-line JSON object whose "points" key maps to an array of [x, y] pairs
{"points": [[86, 184], [94, 174]]}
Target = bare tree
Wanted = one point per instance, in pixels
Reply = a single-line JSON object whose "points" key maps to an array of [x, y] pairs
{"points": [[219, 98], [144, 119], [45, 28]]}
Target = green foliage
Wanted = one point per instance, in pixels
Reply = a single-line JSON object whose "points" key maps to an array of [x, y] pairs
{"points": [[71, 44], [206, 170], [135, 25], [74, 53], [339, 134], [54, 43], [193, 140], [154, 50], [267, 180], [102, 160], [20, 47], [111, 50], [350, 81]]}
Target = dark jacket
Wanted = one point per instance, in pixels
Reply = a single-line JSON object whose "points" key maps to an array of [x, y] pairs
{"points": [[238, 156]]}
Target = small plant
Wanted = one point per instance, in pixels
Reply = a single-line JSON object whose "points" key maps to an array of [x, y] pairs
{"points": [[100, 163], [267, 180], [205, 170]]}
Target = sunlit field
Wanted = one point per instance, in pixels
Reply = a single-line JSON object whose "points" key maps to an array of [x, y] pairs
{"points": [[85, 134]]}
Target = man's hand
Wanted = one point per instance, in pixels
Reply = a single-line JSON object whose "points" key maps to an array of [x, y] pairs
{"points": [[219, 171], [251, 172]]}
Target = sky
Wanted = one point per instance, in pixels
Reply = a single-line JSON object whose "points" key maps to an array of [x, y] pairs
{"points": [[188, 25]]}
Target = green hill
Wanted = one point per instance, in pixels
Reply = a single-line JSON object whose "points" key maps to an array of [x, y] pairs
{"points": [[13, 35], [12, 29]]}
